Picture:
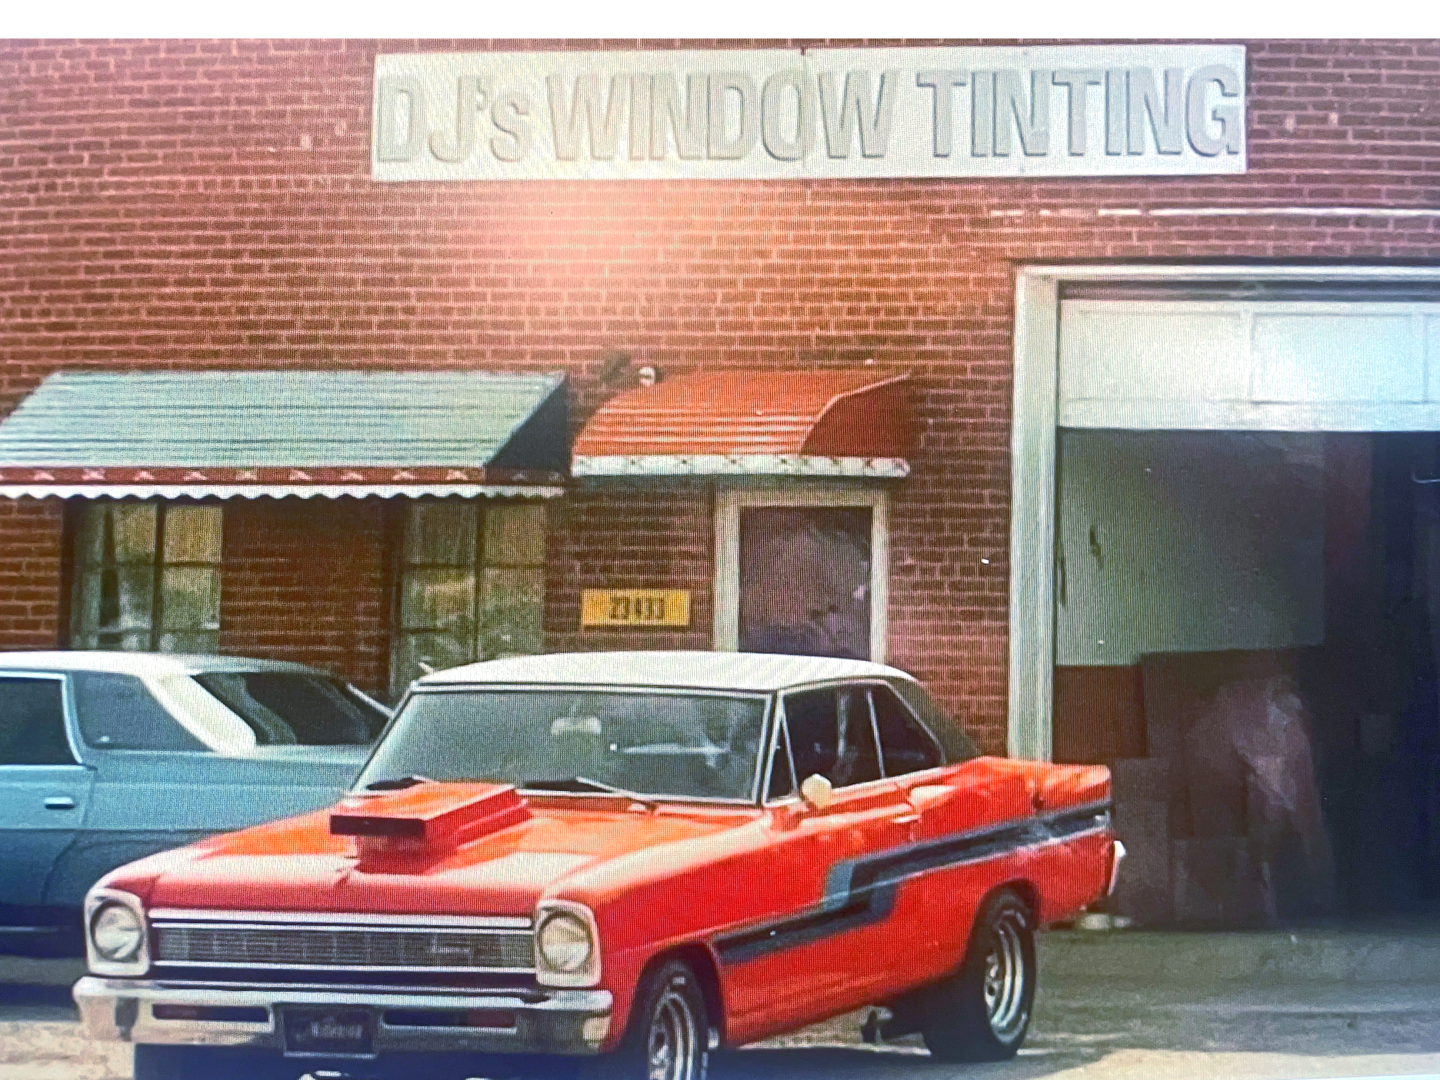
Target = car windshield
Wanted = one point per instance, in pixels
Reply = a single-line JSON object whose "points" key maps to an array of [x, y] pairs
{"points": [[646, 742], [297, 708]]}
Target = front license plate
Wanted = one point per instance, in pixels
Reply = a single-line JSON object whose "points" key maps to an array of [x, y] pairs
{"points": [[329, 1031]]}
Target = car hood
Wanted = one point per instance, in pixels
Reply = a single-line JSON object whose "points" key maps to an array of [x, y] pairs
{"points": [[506, 862], [353, 756]]}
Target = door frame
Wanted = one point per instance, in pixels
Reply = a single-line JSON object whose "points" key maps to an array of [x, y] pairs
{"points": [[1034, 498], [730, 501]]}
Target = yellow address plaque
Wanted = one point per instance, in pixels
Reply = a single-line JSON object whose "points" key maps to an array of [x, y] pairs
{"points": [[634, 607]]}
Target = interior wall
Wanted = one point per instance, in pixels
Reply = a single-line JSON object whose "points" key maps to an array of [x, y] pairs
{"points": [[1182, 541]]}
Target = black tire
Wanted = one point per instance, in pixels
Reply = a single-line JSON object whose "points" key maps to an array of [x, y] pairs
{"points": [[210, 1063], [668, 1037], [982, 1012]]}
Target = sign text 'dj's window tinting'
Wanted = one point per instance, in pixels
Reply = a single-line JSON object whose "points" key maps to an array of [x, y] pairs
{"points": [[1090, 110]]}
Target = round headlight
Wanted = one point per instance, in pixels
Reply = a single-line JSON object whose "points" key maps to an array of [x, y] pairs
{"points": [[564, 943], [117, 933]]}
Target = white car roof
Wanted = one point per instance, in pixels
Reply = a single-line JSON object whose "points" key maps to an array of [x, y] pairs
{"points": [[756, 672], [131, 663]]}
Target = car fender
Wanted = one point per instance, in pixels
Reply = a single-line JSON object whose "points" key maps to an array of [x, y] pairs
{"points": [[89, 859]]}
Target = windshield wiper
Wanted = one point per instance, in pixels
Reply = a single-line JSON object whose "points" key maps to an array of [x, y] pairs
{"points": [[399, 783], [584, 783]]}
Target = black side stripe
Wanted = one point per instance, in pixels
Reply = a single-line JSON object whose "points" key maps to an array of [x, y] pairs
{"points": [[861, 892]]}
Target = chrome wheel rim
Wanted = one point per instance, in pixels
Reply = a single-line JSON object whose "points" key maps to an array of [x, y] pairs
{"points": [[1006, 976], [671, 1047]]}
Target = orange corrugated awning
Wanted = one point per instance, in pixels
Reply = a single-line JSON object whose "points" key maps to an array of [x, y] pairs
{"points": [[820, 423]]}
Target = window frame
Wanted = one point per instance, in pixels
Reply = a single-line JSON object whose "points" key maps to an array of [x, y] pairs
{"points": [[74, 678], [782, 720], [212, 699], [863, 684], [759, 776], [936, 745], [779, 730], [401, 566], [893, 684], [731, 501], [68, 716], [78, 567]]}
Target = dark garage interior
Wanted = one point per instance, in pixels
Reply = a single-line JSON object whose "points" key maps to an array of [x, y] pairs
{"points": [[1275, 734]]}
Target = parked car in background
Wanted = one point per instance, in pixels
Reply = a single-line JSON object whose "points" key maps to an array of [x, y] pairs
{"points": [[106, 757], [636, 855]]}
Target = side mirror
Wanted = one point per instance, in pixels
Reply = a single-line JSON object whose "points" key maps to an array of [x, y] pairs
{"points": [[817, 791]]}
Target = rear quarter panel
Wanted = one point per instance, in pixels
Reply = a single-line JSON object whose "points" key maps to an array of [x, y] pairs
{"points": [[708, 891], [704, 892], [1061, 861]]}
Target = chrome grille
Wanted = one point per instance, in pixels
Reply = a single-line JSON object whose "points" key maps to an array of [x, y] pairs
{"points": [[375, 948]]}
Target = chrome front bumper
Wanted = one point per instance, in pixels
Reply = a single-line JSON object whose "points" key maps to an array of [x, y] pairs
{"points": [[1117, 856], [556, 1022]]}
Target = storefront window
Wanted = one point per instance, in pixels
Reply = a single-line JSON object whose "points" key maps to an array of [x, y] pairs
{"points": [[802, 570], [805, 581], [147, 578], [472, 585]]}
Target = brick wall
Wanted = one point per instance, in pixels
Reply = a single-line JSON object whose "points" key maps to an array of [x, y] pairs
{"points": [[204, 204], [306, 580], [30, 573], [642, 538]]}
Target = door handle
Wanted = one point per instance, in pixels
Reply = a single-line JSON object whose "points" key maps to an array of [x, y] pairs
{"points": [[907, 819], [59, 802]]}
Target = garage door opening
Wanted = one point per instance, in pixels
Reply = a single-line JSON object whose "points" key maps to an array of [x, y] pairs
{"points": [[1248, 631]]}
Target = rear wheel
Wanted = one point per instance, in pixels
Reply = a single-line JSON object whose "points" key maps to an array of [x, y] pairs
{"points": [[669, 1033], [982, 1012]]}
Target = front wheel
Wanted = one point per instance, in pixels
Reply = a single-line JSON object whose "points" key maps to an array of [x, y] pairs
{"points": [[669, 1033], [982, 1012]]}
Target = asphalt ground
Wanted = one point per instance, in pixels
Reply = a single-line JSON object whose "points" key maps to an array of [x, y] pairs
{"points": [[1110, 1007]]}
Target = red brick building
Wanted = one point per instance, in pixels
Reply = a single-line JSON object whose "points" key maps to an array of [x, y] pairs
{"points": [[210, 207]]}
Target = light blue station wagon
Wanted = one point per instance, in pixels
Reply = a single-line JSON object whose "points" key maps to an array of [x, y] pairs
{"points": [[106, 757]]}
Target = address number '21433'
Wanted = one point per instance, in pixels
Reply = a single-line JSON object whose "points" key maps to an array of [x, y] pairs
{"points": [[634, 607]]}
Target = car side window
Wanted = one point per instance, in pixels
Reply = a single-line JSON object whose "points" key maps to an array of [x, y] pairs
{"points": [[831, 734], [782, 782], [957, 744], [118, 712], [289, 707], [905, 745], [32, 722]]}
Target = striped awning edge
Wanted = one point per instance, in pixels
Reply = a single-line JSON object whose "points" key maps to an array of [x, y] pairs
{"points": [[287, 433], [848, 422]]}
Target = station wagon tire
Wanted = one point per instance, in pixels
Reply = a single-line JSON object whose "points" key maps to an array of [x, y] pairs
{"points": [[982, 1012], [208, 1063], [668, 1037]]}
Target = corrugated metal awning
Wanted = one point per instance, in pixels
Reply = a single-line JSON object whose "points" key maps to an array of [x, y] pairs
{"points": [[753, 423], [275, 433]]}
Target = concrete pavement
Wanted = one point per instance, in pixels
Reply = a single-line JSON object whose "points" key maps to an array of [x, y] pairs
{"points": [[1118, 1006]]}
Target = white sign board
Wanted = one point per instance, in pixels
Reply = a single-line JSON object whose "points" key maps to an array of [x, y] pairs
{"points": [[772, 114]]}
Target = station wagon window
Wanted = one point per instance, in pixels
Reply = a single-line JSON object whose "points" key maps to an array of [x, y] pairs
{"points": [[831, 734], [471, 585], [32, 722], [147, 577], [117, 712], [292, 707], [905, 745]]}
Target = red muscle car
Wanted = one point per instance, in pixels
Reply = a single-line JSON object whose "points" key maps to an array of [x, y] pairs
{"points": [[630, 857]]}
